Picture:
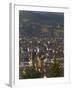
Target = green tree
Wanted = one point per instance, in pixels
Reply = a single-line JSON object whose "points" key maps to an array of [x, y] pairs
{"points": [[21, 72], [55, 69]]}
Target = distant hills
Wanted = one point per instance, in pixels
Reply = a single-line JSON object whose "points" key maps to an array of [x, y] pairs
{"points": [[33, 23]]}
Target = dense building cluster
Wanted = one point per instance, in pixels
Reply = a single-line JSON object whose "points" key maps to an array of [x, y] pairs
{"points": [[39, 52]]}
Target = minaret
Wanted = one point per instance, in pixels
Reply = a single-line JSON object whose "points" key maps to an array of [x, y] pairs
{"points": [[37, 50]]}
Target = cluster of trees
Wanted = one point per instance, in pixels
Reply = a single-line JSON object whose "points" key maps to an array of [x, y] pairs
{"points": [[55, 69], [29, 73]]}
